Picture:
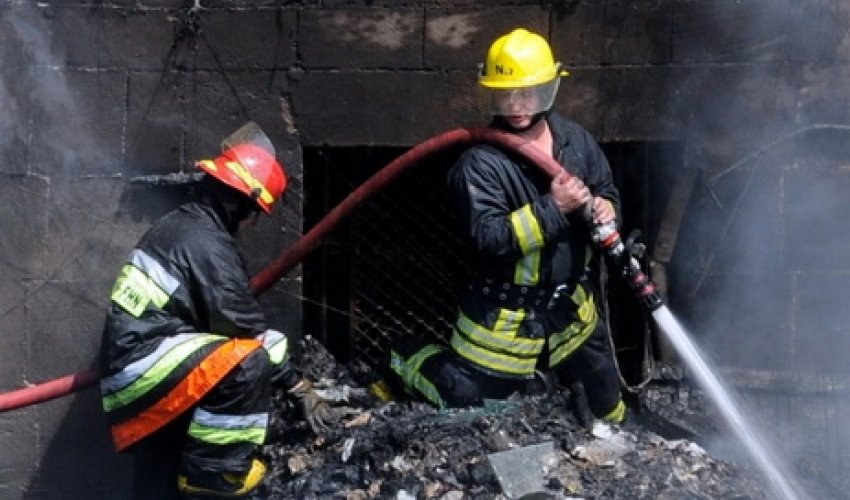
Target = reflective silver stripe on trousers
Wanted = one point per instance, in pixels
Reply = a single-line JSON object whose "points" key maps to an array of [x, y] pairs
{"points": [[208, 419]]}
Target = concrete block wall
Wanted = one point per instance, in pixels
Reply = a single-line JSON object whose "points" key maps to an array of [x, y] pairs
{"points": [[94, 95]]}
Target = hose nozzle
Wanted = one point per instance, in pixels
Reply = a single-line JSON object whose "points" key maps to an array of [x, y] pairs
{"points": [[607, 238], [625, 257], [641, 285]]}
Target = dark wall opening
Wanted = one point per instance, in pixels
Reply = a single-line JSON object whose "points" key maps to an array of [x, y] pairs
{"points": [[644, 173], [394, 266]]}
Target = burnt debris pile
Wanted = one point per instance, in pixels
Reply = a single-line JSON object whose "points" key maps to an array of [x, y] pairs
{"points": [[530, 447]]}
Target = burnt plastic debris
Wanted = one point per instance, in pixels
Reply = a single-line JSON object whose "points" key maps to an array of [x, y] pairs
{"points": [[410, 450]]}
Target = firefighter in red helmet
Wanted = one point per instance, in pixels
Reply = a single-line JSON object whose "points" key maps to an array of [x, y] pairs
{"points": [[187, 354]]}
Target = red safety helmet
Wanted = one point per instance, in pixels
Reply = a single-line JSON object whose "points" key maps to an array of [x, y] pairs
{"points": [[247, 164]]}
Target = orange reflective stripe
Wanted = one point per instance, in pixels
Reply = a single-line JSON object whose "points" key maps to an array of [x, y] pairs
{"points": [[186, 394]]}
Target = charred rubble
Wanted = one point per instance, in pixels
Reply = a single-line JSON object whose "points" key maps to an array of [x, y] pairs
{"points": [[527, 447]]}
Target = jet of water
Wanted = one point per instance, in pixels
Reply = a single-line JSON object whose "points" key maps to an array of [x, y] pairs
{"points": [[778, 479]]}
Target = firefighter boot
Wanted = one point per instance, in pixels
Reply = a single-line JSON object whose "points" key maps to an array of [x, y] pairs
{"points": [[222, 484], [618, 415], [382, 390]]}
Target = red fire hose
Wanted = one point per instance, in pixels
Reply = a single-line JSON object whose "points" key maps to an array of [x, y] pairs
{"points": [[447, 140], [288, 259]]}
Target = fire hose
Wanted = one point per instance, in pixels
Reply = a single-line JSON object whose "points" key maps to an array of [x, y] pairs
{"points": [[605, 237]]}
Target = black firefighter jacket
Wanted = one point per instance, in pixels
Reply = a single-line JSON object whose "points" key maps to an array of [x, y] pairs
{"points": [[202, 272], [491, 184]]}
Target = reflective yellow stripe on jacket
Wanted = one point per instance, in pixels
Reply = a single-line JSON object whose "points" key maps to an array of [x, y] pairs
{"points": [[530, 238], [499, 349], [562, 344], [142, 281], [140, 377]]}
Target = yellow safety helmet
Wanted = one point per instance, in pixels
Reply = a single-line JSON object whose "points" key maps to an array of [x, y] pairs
{"points": [[519, 59], [520, 75]]}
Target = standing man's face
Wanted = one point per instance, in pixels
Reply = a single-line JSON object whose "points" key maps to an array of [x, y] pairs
{"points": [[518, 103], [519, 106]]}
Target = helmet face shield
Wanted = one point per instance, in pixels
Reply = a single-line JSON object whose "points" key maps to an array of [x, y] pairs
{"points": [[522, 101], [248, 164], [250, 133]]}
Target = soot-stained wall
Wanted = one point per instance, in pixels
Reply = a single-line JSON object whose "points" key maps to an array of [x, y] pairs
{"points": [[99, 100]]}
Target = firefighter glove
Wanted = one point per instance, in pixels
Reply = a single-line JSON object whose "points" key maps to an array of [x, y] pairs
{"points": [[317, 411]]}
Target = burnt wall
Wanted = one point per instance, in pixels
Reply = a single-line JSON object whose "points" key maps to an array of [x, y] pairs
{"points": [[99, 100]]}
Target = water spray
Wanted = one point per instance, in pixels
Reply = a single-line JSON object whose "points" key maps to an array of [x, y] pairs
{"points": [[625, 258]]}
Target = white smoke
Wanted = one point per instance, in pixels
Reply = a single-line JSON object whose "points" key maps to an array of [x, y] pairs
{"points": [[771, 294], [35, 91]]}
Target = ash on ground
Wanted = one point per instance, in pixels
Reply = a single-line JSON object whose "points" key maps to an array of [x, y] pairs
{"points": [[527, 447]]}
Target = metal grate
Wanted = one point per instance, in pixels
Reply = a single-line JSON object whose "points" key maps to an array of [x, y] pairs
{"points": [[394, 267], [408, 264]]}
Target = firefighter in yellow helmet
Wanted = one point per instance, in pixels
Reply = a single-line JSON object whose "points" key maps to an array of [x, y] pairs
{"points": [[189, 361], [531, 305]]}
